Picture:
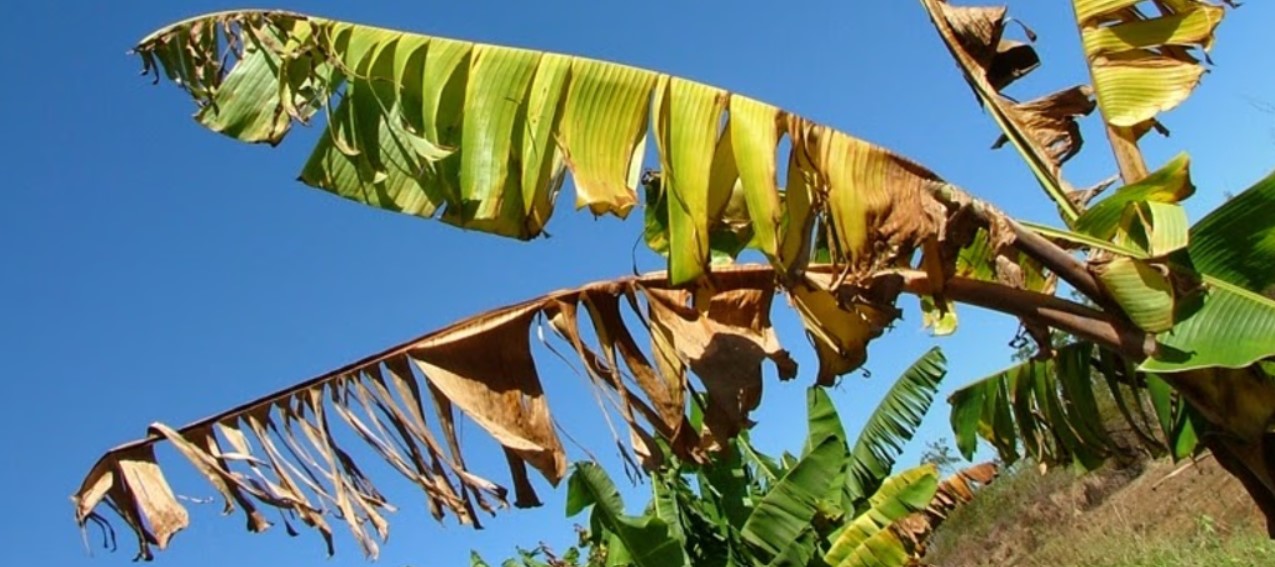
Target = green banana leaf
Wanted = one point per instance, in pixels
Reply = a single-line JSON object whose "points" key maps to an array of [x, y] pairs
{"points": [[899, 496], [1119, 216], [1230, 324], [893, 423], [646, 540], [1050, 410], [1236, 242], [1045, 407], [787, 509], [482, 136]]}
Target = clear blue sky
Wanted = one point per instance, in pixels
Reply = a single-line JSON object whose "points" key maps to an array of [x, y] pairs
{"points": [[154, 271]]}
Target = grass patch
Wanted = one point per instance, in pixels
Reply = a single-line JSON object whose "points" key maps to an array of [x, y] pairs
{"points": [[1107, 518], [1125, 549], [1018, 488]]}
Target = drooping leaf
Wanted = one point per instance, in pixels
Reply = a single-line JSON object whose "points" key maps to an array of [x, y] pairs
{"points": [[1174, 417], [284, 448], [1126, 395], [687, 115], [1044, 407], [727, 238], [1049, 409], [482, 136], [754, 134], [965, 417], [431, 142], [1044, 131]]}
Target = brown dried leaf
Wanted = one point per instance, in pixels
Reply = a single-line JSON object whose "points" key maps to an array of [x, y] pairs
{"points": [[724, 346], [1051, 121], [665, 392], [605, 373], [484, 366], [281, 450], [200, 453], [1044, 130], [149, 492], [880, 206]]}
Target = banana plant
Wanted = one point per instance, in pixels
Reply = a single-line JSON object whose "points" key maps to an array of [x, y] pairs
{"points": [[752, 509], [1203, 291], [483, 137]]}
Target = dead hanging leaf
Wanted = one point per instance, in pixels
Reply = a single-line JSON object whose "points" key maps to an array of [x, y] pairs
{"points": [[486, 369], [724, 345], [665, 390], [1051, 121], [130, 481], [840, 323], [959, 488], [1043, 130], [202, 452], [281, 451]]}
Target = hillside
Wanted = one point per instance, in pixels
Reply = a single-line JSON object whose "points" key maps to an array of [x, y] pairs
{"points": [[1150, 513]]}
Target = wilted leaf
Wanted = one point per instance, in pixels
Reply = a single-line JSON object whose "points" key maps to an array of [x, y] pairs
{"points": [[1140, 63], [282, 449], [1044, 131], [483, 135]]}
